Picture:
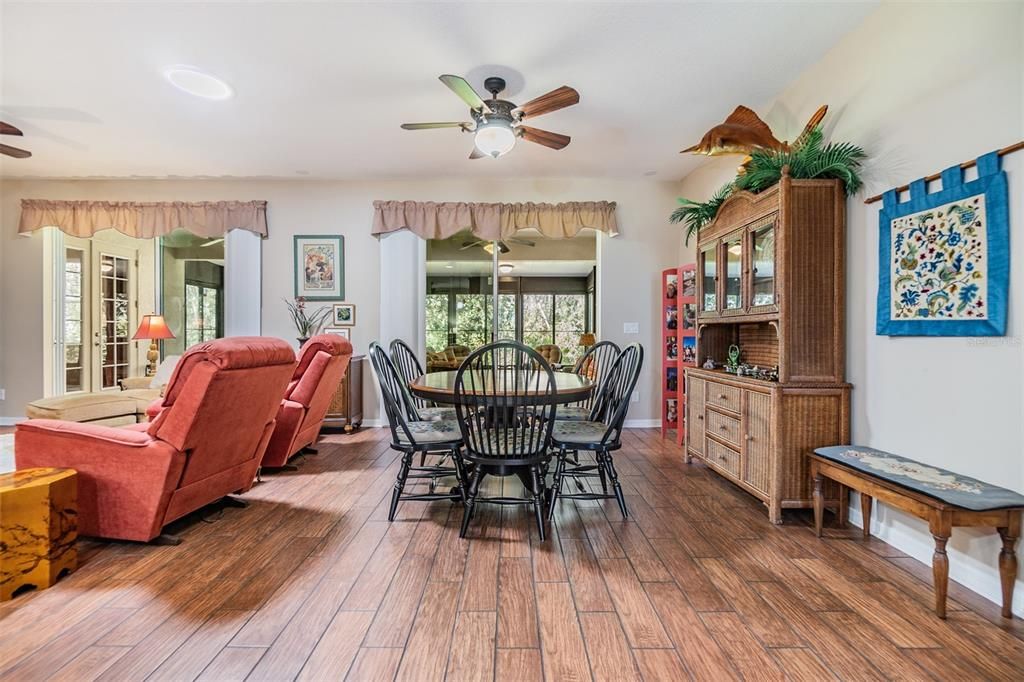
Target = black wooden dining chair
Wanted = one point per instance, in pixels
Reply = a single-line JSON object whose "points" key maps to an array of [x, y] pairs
{"points": [[594, 365], [410, 369], [601, 435], [411, 435], [505, 402]]}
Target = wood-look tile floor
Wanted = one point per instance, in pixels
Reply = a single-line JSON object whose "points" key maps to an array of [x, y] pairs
{"points": [[312, 582]]}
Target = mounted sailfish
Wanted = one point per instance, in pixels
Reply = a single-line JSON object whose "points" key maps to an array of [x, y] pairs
{"points": [[744, 131]]}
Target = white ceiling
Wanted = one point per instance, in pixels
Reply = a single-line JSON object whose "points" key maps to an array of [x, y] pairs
{"points": [[321, 88]]}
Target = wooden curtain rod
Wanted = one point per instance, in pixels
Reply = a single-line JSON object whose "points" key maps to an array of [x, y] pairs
{"points": [[965, 165]]}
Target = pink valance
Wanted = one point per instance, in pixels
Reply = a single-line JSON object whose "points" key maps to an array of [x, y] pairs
{"points": [[431, 220], [144, 220]]}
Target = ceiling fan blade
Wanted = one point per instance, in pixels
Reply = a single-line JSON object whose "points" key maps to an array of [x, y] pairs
{"points": [[476, 154], [553, 101], [429, 126], [463, 89], [503, 247], [14, 151], [544, 137], [470, 245], [8, 129], [522, 242]]}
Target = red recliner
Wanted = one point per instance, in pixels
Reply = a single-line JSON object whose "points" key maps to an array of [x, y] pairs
{"points": [[323, 361], [207, 441]]}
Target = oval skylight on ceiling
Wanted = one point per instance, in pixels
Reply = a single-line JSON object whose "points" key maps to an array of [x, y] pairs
{"points": [[198, 83]]}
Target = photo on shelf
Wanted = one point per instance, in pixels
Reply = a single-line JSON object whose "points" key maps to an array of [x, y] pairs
{"points": [[671, 379], [689, 282], [671, 286], [689, 315], [671, 348], [671, 317], [671, 410], [690, 349]]}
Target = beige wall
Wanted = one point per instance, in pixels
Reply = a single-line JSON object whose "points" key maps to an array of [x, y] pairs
{"points": [[627, 287], [922, 89]]}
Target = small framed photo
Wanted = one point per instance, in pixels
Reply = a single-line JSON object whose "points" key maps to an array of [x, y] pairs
{"points": [[319, 267], [343, 315], [344, 332]]}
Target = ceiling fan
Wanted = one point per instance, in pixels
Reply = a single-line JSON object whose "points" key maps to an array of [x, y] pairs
{"points": [[8, 129], [502, 246], [497, 123]]}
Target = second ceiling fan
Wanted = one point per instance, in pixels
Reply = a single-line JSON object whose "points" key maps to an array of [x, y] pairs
{"points": [[497, 123]]}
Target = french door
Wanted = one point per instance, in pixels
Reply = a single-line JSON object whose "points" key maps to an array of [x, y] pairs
{"points": [[100, 306]]}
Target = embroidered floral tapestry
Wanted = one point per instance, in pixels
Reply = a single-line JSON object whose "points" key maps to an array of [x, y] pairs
{"points": [[944, 256]]}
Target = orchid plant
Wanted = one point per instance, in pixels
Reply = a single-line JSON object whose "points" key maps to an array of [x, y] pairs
{"points": [[307, 323]]}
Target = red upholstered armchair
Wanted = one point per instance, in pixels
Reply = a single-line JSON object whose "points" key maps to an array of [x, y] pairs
{"points": [[207, 441], [323, 361]]}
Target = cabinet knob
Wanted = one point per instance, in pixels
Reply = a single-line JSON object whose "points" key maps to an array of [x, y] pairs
{"points": [[749, 437], [700, 417], [721, 457], [723, 427], [722, 396]]}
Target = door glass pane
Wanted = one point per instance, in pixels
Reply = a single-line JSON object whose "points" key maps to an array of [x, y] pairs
{"points": [[114, 325], [73, 259], [538, 325], [710, 273], [570, 323], [437, 322], [202, 320], [472, 325], [506, 316], [733, 269], [764, 266]]}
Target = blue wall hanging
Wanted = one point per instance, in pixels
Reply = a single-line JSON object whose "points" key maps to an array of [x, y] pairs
{"points": [[944, 257]]}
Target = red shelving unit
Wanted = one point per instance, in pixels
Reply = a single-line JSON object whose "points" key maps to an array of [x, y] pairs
{"points": [[678, 345]]}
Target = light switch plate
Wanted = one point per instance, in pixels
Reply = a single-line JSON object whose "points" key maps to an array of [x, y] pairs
{"points": [[3, 394], [630, 327]]}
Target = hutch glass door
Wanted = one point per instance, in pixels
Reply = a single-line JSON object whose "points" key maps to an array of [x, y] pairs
{"points": [[762, 270], [733, 273], [709, 280]]}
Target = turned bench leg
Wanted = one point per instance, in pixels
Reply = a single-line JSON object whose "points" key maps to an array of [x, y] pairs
{"points": [[940, 525], [865, 513], [1008, 562], [819, 503]]}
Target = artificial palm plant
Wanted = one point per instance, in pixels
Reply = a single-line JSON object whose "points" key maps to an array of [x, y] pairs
{"points": [[807, 158]]}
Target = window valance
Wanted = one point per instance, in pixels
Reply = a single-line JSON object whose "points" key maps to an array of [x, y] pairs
{"points": [[144, 220], [433, 220]]}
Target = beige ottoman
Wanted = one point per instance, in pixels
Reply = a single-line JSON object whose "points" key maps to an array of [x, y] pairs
{"points": [[115, 408]]}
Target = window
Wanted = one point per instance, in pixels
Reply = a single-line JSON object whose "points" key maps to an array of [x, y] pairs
{"points": [[472, 324], [538, 319], [570, 323], [73, 323], [437, 321], [114, 331], [202, 305]]}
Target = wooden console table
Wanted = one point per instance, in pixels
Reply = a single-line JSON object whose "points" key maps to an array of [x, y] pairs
{"points": [[942, 498], [346, 408]]}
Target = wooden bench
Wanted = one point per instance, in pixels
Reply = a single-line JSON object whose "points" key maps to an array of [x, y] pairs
{"points": [[942, 498]]}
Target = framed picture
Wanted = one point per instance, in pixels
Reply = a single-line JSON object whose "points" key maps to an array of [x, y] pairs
{"points": [[319, 267], [689, 282], [343, 315], [344, 332]]}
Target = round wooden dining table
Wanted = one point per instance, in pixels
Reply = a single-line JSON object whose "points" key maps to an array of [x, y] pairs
{"points": [[440, 386]]}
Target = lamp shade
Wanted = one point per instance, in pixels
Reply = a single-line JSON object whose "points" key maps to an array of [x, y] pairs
{"points": [[153, 327], [587, 339]]}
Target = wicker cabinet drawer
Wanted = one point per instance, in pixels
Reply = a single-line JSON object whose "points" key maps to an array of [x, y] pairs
{"points": [[720, 395], [723, 426], [722, 456]]}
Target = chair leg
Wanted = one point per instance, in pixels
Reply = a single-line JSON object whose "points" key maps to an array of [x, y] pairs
{"points": [[600, 456], [467, 514], [538, 500], [460, 472], [556, 485], [619, 497], [403, 472]]}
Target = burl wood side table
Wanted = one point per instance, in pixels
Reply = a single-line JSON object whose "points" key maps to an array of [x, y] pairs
{"points": [[38, 528]]}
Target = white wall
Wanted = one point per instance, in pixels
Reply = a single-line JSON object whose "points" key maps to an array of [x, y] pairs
{"points": [[628, 285], [922, 87]]}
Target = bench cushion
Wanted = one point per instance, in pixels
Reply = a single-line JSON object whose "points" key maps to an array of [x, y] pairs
{"points": [[954, 489]]}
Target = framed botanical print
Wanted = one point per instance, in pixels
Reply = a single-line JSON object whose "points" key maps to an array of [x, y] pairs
{"points": [[343, 315], [319, 267], [344, 332]]}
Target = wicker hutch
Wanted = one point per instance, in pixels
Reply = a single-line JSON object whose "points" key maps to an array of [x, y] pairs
{"points": [[770, 280]]}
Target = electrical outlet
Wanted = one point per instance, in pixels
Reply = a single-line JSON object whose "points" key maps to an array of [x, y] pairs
{"points": [[3, 394], [635, 397], [630, 327]]}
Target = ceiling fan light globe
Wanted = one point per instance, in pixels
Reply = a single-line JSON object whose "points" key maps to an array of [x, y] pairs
{"points": [[495, 139]]}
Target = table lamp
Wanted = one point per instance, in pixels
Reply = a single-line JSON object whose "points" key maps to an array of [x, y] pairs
{"points": [[587, 339], [152, 327]]}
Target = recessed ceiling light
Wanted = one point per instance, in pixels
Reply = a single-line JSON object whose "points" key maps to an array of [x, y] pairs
{"points": [[449, 266], [506, 267], [199, 83], [650, 173]]}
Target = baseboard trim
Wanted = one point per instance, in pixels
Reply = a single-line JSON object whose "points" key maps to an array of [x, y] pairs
{"points": [[641, 423], [898, 529], [11, 421]]}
